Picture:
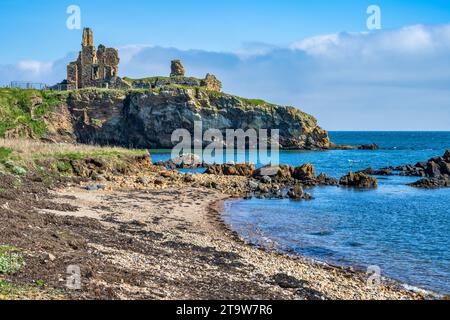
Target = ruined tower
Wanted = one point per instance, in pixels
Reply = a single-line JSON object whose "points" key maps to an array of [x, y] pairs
{"points": [[176, 68], [88, 38], [94, 67]]}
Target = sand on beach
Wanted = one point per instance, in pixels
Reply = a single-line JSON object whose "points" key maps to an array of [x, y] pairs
{"points": [[173, 244]]}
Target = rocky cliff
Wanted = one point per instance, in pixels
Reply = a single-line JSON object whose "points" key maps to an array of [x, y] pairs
{"points": [[147, 118]]}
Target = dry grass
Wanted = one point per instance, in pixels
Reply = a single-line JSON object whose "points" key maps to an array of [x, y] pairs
{"points": [[27, 146], [25, 152]]}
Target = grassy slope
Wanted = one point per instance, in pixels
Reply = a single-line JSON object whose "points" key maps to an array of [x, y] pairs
{"points": [[15, 109], [20, 156]]}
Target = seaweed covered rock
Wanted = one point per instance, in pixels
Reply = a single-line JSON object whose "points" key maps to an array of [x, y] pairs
{"points": [[377, 172], [432, 183], [437, 167], [358, 180], [372, 146], [297, 193], [243, 169], [447, 155], [305, 171]]}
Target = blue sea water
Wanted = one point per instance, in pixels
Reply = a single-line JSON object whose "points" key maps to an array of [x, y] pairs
{"points": [[403, 230]]}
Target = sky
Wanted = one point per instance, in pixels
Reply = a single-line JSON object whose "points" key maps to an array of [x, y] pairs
{"points": [[319, 56]]}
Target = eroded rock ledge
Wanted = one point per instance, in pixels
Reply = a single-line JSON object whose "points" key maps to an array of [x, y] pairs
{"points": [[146, 118]]}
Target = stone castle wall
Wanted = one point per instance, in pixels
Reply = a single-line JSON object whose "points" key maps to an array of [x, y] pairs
{"points": [[94, 67], [98, 68]]}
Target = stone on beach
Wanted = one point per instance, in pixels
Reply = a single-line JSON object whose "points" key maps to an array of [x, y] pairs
{"points": [[243, 169]]}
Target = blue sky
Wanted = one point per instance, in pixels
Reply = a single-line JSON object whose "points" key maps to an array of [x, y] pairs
{"points": [[312, 54], [197, 24]]}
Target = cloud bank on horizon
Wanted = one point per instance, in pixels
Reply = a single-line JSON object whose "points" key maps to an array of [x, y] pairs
{"points": [[387, 80]]}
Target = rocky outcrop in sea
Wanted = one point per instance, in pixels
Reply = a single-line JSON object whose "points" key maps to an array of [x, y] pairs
{"points": [[358, 180], [435, 172]]}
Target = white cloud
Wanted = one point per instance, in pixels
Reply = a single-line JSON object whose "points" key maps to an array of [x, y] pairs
{"points": [[386, 80], [35, 67]]}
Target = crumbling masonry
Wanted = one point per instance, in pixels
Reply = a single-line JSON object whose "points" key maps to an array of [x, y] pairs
{"points": [[98, 67], [94, 67]]}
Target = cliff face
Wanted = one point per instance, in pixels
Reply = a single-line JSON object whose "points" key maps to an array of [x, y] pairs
{"points": [[147, 118]]}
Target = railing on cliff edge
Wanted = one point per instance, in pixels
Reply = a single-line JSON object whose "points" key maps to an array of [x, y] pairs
{"points": [[28, 85]]}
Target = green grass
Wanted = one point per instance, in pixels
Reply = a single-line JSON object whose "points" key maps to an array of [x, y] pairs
{"points": [[5, 153], [11, 291], [7, 164], [16, 109], [256, 102], [63, 166], [11, 259], [8, 291], [12, 168], [160, 78]]}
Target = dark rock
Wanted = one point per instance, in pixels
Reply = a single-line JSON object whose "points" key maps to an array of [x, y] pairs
{"points": [[266, 180], [302, 287], [166, 174], [379, 172], [186, 161], [280, 173], [445, 168], [358, 180], [142, 180], [433, 170], [188, 177], [159, 181], [421, 165], [288, 282], [303, 172], [447, 155], [324, 180], [372, 146], [297, 193], [341, 147], [432, 183], [244, 169]]}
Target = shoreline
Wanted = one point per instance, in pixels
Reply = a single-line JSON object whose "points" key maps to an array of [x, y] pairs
{"points": [[217, 208], [145, 232], [164, 243]]}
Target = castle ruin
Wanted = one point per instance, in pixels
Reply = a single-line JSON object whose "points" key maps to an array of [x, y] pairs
{"points": [[95, 67], [98, 68]]}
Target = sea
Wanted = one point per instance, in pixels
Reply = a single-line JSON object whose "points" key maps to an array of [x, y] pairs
{"points": [[400, 230]]}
